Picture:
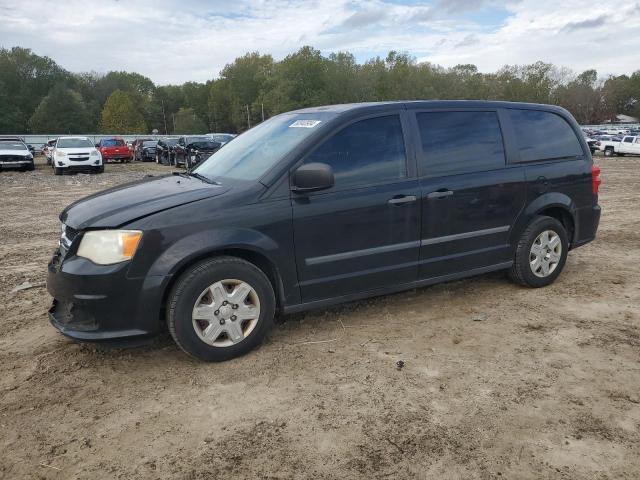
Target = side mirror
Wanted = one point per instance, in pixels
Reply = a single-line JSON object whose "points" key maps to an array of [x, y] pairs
{"points": [[97, 145], [312, 177]]}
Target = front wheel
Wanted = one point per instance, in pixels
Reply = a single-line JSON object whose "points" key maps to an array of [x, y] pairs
{"points": [[220, 308], [57, 170], [541, 253]]}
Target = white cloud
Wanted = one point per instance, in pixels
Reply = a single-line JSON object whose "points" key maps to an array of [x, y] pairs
{"points": [[172, 42]]}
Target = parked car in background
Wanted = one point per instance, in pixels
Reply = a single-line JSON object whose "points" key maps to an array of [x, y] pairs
{"points": [[165, 150], [14, 154], [114, 149], [146, 151], [135, 145], [47, 148], [630, 145], [221, 138], [379, 198], [76, 154], [605, 143], [191, 150]]}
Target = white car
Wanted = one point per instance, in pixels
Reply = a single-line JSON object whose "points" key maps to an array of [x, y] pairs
{"points": [[76, 154], [15, 154]]}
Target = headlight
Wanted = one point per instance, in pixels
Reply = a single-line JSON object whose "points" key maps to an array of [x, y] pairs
{"points": [[106, 247], [60, 154], [94, 153]]}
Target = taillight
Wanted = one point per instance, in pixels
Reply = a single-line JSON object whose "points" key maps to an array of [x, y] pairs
{"points": [[595, 179]]}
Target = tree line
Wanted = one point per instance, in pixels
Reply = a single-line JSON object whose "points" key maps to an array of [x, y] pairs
{"points": [[39, 96]]}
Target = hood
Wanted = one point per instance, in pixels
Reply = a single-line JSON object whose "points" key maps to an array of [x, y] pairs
{"points": [[125, 203], [76, 150], [23, 153], [204, 145]]}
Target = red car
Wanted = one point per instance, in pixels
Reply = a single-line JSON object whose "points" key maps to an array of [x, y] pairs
{"points": [[114, 149]]}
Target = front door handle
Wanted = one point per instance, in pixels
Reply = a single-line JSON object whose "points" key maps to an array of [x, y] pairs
{"points": [[402, 199], [440, 194]]}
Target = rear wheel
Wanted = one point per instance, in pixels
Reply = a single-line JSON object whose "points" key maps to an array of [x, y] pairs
{"points": [[541, 253], [608, 152], [220, 309]]}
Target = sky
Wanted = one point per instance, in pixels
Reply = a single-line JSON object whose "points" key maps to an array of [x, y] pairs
{"points": [[174, 41]]}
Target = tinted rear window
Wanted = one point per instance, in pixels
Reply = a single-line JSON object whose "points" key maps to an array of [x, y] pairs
{"points": [[458, 142], [543, 135], [113, 143]]}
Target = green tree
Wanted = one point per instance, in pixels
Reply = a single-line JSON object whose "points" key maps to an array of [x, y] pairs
{"points": [[120, 115], [187, 121], [61, 111], [25, 79]]}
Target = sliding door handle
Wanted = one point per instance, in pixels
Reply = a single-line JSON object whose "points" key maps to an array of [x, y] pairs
{"points": [[402, 199], [440, 194]]}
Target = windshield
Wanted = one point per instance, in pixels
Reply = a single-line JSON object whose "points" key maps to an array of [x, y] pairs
{"points": [[253, 153], [112, 142], [170, 141], [74, 143], [152, 143], [12, 146]]}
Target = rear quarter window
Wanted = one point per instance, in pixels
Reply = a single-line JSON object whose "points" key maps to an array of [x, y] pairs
{"points": [[543, 135]]}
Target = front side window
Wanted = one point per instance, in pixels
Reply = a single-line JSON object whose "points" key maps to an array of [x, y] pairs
{"points": [[460, 142], [366, 152], [543, 135]]}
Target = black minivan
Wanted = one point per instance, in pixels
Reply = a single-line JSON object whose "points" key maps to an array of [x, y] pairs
{"points": [[326, 205]]}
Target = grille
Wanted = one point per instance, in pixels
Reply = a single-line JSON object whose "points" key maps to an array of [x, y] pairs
{"points": [[67, 236], [78, 159], [12, 158]]}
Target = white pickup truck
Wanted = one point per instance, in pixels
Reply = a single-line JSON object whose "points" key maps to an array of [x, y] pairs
{"points": [[629, 145]]}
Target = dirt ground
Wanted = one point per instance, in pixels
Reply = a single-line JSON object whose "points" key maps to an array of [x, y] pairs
{"points": [[499, 381]]}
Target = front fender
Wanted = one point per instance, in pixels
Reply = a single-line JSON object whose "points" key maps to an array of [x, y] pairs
{"points": [[200, 244]]}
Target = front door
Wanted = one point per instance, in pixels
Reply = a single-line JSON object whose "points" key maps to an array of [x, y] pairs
{"points": [[470, 197], [361, 234]]}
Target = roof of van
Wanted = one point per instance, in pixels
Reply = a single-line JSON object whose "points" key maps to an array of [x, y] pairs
{"points": [[348, 107]]}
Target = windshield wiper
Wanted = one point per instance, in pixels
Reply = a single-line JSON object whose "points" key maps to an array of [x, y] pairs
{"points": [[203, 178]]}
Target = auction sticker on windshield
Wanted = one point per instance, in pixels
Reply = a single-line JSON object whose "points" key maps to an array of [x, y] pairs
{"points": [[304, 124]]}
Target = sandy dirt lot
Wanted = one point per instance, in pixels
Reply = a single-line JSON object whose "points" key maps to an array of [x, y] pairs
{"points": [[499, 381]]}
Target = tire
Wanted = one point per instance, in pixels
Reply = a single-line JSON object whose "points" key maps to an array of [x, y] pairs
{"points": [[188, 292], [522, 271], [57, 171], [608, 152], [99, 169]]}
